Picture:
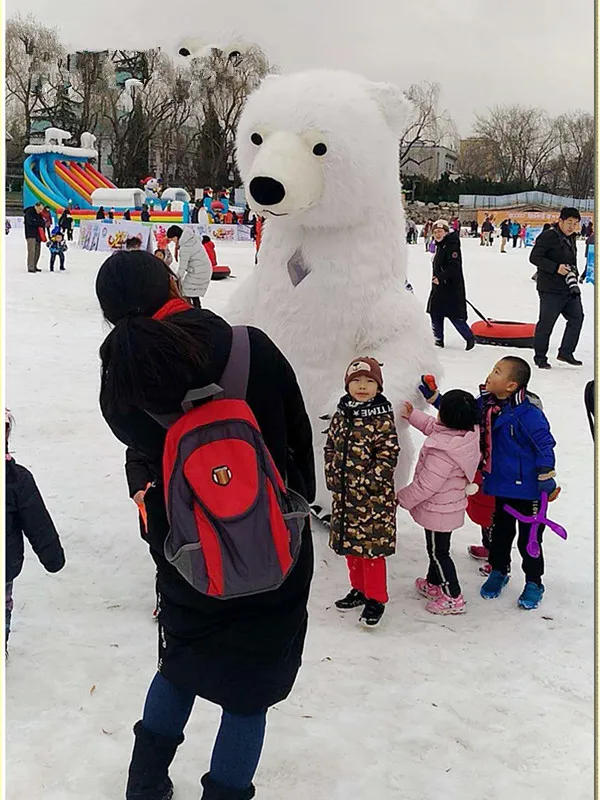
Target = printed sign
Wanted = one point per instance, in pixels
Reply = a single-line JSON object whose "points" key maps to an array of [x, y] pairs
{"points": [[110, 236]]}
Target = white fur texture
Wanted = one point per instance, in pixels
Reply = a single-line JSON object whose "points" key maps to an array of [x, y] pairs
{"points": [[343, 212]]}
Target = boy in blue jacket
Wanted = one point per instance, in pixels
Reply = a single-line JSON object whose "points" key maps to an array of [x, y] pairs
{"points": [[58, 248], [517, 465]]}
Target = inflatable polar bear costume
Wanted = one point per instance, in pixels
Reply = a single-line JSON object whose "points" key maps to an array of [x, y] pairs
{"points": [[318, 153]]}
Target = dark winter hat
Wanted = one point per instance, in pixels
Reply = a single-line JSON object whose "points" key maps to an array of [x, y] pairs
{"points": [[174, 230], [132, 283], [369, 367]]}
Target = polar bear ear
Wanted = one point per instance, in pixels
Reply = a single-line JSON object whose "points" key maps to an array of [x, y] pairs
{"points": [[393, 104]]}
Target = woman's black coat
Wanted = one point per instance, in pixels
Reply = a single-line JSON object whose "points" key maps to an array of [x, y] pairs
{"points": [[448, 298], [244, 653]]}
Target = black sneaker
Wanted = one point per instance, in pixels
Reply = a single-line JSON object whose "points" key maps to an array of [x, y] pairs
{"points": [[570, 360], [372, 613], [354, 599], [543, 365], [438, 342], [470, 345]]}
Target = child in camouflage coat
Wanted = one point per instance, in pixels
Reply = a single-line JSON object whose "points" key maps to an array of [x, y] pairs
{"points": [[361, 453]]}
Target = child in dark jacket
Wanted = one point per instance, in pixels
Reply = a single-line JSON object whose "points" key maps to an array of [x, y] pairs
{"points": [[26, 516], [142, 474], [361, 453], [58, 248], [517, 466]]}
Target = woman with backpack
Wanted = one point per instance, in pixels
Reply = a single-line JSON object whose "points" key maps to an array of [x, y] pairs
{"points": [[241, 653]]}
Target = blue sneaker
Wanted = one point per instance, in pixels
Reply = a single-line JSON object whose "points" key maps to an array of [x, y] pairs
{"points": [[493, 586], [531, 596]]}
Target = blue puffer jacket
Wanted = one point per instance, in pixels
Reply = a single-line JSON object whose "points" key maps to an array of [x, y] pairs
{"points": [[522, 448]]}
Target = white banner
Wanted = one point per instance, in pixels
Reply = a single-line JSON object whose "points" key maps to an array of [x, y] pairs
{"points": [[220, 233], [15, 222], [110, 236]]}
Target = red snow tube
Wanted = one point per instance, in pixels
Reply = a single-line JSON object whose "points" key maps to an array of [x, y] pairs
{"points": [[220, 272], [480, 506], [505, 334]]}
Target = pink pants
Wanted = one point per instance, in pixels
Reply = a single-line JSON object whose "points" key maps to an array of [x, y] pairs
{"points": [[368, 575]]}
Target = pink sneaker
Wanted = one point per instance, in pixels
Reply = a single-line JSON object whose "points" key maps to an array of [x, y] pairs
{"points": [[428, 590], [478, 552], [447, 605]]}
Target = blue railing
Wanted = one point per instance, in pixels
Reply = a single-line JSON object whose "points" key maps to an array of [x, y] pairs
{"points": [[524, 198]]}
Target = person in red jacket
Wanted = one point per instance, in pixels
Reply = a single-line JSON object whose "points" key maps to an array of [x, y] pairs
{"points": [[209, 246]]}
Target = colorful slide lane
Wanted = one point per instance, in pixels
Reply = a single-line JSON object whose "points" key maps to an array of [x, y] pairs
{"points": [[56, 182]]}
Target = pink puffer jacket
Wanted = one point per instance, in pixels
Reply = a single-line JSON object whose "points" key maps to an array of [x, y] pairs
{"points": [[436, 498]]}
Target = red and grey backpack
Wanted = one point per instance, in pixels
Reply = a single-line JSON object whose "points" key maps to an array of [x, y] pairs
{"points": [[235, 529]]}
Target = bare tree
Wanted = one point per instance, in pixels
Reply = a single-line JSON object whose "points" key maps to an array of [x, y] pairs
{"points": [[32, 55], [576, 150], [134, 114], [428, 127], [222, 86], [521, 141]]}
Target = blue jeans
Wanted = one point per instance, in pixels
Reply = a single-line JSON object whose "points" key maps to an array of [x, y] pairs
{"points": [[461, 325], [239, 742], [61, 259]]}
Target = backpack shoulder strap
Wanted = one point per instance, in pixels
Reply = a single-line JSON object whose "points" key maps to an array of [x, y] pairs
{"points": [[234, 380]]}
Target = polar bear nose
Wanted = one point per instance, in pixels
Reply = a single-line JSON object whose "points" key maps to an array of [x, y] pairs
{"points": [[267, 191]]}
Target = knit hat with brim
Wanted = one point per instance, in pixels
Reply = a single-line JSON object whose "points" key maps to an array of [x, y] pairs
{"points": [[369, 367], [441, 223]]}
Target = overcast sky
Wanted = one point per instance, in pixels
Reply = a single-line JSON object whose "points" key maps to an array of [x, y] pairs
{"points": [[534, 52]]}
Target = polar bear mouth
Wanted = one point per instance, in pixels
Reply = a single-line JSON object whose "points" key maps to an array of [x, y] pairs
{"points": [[274, 214]]}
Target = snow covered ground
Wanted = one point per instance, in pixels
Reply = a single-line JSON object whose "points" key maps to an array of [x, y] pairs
{"points": [[493, 704]]}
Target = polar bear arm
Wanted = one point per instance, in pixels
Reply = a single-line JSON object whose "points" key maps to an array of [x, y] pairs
{"points": [[432, 476]]}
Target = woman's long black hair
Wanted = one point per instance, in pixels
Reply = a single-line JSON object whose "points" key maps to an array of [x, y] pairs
{"points": [[147, 364]]}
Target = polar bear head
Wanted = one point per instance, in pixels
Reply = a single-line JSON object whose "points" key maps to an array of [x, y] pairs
{"points": [[320, 146]]}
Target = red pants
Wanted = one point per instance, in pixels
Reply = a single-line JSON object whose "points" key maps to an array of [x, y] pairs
{"points": [[368, 575]]}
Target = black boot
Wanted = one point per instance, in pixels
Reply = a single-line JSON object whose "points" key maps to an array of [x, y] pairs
{"points": [[354, 599], [372, 613], [214, 791], [149, 768]]}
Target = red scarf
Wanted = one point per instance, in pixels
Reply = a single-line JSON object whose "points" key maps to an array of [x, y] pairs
{"points": [[174, 306]]}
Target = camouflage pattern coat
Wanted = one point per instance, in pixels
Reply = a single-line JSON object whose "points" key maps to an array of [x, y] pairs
{"points": [[361, 453]]}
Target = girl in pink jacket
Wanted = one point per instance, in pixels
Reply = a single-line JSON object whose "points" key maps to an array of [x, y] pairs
{"points": [[437, 496]]}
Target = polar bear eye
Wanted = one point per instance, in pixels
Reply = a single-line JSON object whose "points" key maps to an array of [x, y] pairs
{"points": [[256, 139], [320, 149]]}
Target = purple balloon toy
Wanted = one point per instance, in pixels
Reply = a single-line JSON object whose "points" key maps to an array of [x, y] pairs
{"points": [[533, 547]]}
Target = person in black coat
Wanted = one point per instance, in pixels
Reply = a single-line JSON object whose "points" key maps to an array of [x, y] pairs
{"points": [[26, 517], [145, 215], [100, 214], [555, 256], [242, 654], [447, 299], [34, 223], [195, 212], [65, 223], [504, 234], [127, 215]]}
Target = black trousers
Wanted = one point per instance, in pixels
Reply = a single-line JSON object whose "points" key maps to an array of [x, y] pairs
{"points": [[552, 305], [442, 571], [195, 301], [514, 238], [505, 529]]}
